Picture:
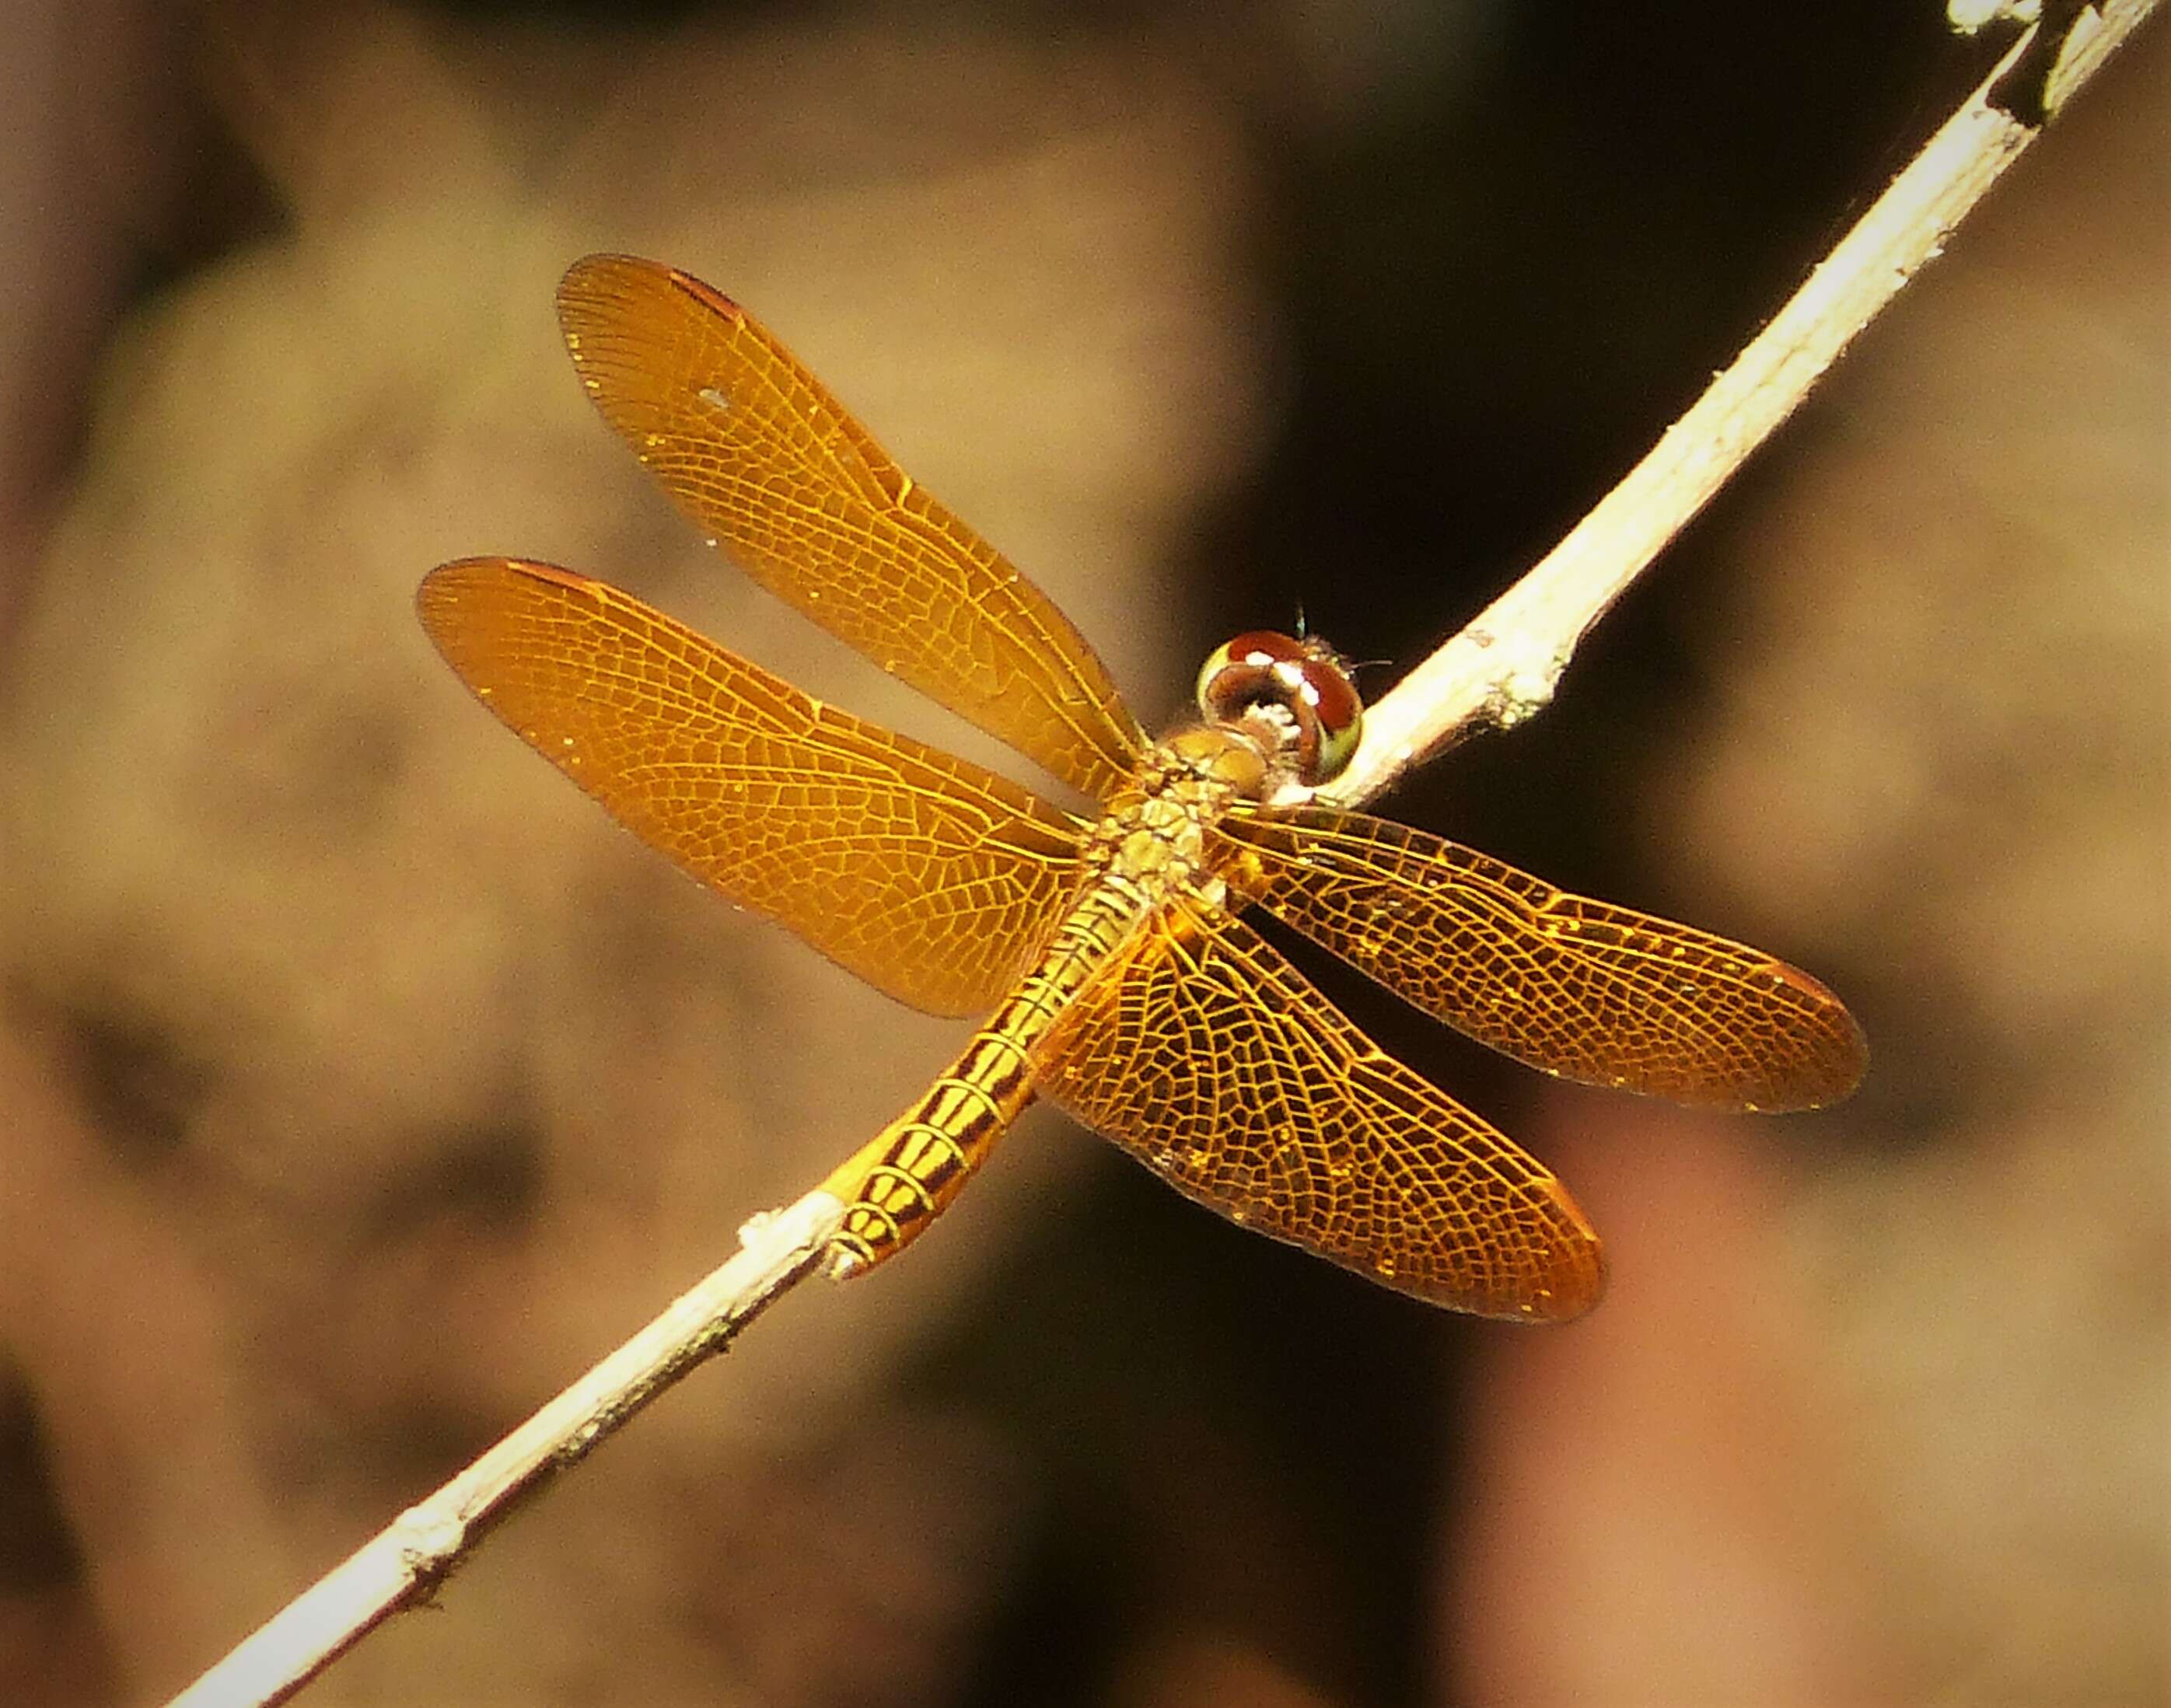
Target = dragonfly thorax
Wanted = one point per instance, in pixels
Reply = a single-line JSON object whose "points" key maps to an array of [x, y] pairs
{"points": [[1151, 840]]}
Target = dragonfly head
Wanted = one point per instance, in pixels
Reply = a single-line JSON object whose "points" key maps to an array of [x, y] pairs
{"points": [[1292, 696]]}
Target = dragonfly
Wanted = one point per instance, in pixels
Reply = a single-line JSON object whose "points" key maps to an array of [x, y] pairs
{"points": [[1108, 956]]}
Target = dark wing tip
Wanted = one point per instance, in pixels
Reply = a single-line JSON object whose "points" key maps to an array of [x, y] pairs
{"points": [[1831, 1056], [1575, 1281], [454, 595], [439, 600], [1552, 1271], [1847, 1061], [1794, 1047], [463, 575], [604, 290]]}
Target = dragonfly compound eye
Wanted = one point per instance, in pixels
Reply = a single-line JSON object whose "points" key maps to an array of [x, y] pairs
{"points": [[1302, 684]]}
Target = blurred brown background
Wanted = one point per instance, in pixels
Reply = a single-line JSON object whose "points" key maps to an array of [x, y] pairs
{"points": [[359, 1083]]}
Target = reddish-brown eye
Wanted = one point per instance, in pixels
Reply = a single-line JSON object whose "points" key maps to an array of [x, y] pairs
{"points": [[1304, 681]]}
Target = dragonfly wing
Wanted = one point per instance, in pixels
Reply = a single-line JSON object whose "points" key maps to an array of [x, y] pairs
{"points": [[754, 449], [1201, 1050], [1578, 987], [931, 879]]}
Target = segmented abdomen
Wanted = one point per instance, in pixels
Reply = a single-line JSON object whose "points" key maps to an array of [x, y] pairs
{"points": [[897, 1184]]}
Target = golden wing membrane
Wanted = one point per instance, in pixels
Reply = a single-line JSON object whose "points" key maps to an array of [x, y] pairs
{"points": [[931, 879], [1200, 1050], [758, 453], [1578, 987]]}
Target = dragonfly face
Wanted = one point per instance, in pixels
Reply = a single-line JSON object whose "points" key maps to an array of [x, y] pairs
{"points": [[1296, 694], [1108, 956]]}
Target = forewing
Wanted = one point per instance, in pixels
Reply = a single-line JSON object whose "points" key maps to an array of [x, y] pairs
{"points": [[1578, 987], [755, 450], [931, 879], [1201, 1050]]}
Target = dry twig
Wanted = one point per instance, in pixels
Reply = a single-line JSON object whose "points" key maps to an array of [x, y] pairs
{"points": [[1500, 670]]}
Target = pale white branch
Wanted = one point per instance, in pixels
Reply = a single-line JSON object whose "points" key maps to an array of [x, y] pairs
{"points": [[403, 1563]]}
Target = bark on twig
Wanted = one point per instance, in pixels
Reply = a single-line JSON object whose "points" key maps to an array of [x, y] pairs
{"points": [[403, 1563]]}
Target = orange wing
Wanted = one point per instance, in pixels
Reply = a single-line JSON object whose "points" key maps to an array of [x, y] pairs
{"points": [[1205, 1054], [757, 451], [1578, 987], [931, 879]]}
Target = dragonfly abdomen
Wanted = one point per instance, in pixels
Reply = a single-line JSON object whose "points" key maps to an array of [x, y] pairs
{"points": [[905, 1177]]}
